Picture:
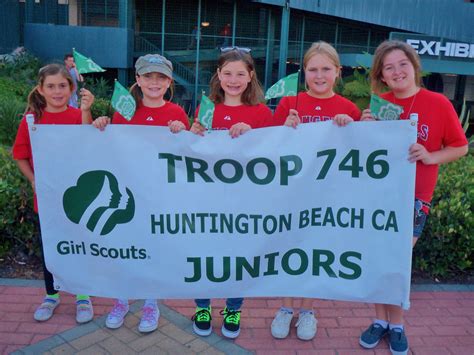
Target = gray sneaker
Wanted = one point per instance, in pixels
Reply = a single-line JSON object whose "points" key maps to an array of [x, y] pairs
{"points": [[398, 341], [372, 336], [84, 311], [46, 309], [306, 326], [115, 318], [149, 320], [281, 324]]}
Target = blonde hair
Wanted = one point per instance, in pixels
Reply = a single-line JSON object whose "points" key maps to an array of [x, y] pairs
{"points": [[36, 102], [326, 49], [381, 52], [253, 93]]}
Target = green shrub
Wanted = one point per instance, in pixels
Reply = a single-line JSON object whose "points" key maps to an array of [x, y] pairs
{"points": [[10, 116], [99, 87], [446, 247], [101, 107], [17, 218]]}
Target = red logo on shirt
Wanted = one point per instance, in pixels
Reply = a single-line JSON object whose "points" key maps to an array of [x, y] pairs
{"points": [[423, 132]]}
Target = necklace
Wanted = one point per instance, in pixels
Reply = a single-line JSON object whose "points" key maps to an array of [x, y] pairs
{"points": [[411, 105]]}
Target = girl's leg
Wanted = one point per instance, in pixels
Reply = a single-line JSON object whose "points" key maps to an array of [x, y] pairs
{"points": [[203, 303], [51, 301]]}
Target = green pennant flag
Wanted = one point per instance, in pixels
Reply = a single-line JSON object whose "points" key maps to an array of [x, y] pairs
{"points": [[287, 86], [123, 102], [85, 65], [206, 112], [384, 110]]}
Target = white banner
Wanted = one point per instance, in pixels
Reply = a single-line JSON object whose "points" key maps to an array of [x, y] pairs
{"points": [[318, 211]]}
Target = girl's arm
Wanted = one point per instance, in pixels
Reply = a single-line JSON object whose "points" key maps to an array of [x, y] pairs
{"points": [[367, 115], [87, 99], [101, 122], [342, 119], [197, 128], [176, 126], [238, 129], [444, 155], [293, 118], [25, 168]]}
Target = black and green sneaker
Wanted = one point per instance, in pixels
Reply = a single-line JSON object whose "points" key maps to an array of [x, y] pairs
{"points": [[202, 321], [231, 323]]}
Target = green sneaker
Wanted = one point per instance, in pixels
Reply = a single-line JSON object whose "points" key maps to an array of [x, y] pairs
{"points": [[398, 341], [202, 321], [231, 323], [372, 336]]}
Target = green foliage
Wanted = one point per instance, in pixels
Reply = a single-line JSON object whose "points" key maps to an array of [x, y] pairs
{"points": [[99, 87], [357, 88], [446, 247], [101, 107], [23, 68], [17, 218], [11, 111]]}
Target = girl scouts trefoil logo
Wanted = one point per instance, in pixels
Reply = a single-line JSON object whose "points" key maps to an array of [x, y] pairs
{"points": [[98, 202]]}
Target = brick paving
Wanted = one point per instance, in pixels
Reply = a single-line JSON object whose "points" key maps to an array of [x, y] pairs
{"points": [[440, 321]]}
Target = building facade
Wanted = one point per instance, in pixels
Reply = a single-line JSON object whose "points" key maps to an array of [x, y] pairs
{"points": [[190, 32]]}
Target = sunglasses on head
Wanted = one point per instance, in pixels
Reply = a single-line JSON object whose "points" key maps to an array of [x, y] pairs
{"points": [[235, 48]]}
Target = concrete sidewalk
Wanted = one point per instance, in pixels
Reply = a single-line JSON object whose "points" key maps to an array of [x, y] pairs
{"points": [[440, 321]]}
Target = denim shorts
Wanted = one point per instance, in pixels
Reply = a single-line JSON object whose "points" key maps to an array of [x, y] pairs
{"points": [[420, 215]]}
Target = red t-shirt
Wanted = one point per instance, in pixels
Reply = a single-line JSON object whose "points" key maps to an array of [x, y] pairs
{"points": [[227, 116], [438, 127], [154, 116], [22, 145], [312, 109]]}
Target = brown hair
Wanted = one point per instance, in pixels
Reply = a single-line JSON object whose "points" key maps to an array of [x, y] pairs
{"points": [[326, 49], [381, 52], [252, 95], [36, 101]]}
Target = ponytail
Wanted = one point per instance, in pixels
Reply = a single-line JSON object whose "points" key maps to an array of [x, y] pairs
{"points": [[36, 104]]}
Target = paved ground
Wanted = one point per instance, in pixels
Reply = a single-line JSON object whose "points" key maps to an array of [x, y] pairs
{"points": [[440, 321]]}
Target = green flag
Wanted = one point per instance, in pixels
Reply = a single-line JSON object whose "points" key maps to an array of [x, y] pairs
{"points": [[287, 86], [85, 65], [206, 112], [384, 110], [123, 102]]}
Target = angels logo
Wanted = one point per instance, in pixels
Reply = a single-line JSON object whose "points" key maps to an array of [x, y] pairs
{"points": [[98, 202]]}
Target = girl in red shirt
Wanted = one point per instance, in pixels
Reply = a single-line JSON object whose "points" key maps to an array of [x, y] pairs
{"points": [[154, 76], [319, 103], [237, 96], [396, 66], [48, 103]]}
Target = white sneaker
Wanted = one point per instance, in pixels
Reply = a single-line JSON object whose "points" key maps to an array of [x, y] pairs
{"points": [[117, 314], [306, 326], [84, 311], [281, 324], [46, 309], [149, 320]]}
